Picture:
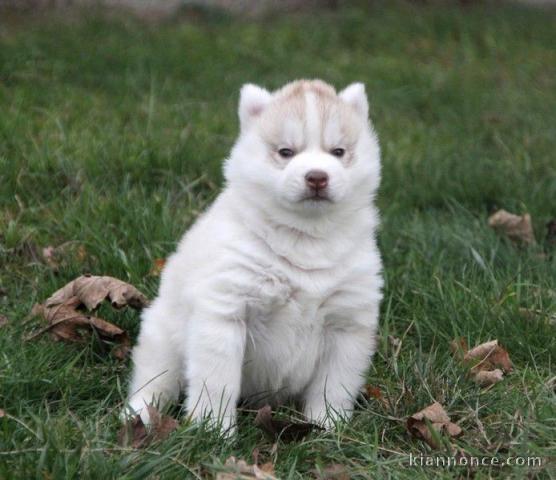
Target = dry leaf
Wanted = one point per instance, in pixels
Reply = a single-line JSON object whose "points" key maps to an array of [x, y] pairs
{"points": [[487, 362], [161, 425], [68, 324], [2, 413], [488, 377], [334, 471], [237, 469], [371, 391], [3, 320], [488, 356], [91, 290], [431, 419], [286, 430], [157, 267], [135, 434], [517, 228]]}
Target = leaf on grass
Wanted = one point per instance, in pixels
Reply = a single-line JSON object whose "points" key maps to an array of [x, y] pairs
{"points": [[372, 391], [134, 433], [487, 362], [334, 471], [3, 320], [157, 267], [91, 290], [517, 228], [489, 356], [237, 469], [65, 321], [431, 422], [485, 378], [2, 413], [286, 430]]}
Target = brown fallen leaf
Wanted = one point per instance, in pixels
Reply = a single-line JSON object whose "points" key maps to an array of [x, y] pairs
{"points": [[157, 267], [485, 378], [2, 413], [237, 469], [431, 422], [286, 430], [3, 320], [517, 228], [135, 434], [334, 471], [372, 391], [65, 322], [488, 356], [91, 290], [487, 362]]}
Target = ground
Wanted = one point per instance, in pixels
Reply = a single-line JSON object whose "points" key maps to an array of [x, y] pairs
{"points": [[112, 136]]}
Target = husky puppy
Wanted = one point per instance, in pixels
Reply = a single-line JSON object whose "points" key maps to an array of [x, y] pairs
{"points": [[274, 292]]}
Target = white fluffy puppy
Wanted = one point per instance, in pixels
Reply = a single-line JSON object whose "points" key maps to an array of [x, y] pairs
{"points": [[274, 293]]}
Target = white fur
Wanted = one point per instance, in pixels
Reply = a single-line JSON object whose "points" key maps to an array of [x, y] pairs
{"points": [[269, 296]]}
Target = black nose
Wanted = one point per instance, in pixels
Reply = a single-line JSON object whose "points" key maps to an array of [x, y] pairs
{"points": [[316, 179]]}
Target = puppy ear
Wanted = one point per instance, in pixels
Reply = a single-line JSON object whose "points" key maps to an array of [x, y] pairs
{"points": [[355, 96], [252, 101]]}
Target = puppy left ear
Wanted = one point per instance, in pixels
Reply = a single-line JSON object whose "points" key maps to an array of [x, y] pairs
{"points": [[355, 96], [252, 101]]}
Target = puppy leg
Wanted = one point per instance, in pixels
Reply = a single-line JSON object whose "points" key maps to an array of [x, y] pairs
{"points": [[214, 361], [157, 364], [340, 374]]}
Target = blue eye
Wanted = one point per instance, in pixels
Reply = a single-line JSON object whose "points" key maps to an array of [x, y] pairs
{"points": [[286, 152], [338, 152]]}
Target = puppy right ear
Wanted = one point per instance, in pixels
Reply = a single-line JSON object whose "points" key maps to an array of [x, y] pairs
{"points": [[252, 101]]}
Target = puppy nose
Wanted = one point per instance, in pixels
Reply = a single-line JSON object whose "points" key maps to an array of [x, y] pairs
{"points": [[316, 179]]}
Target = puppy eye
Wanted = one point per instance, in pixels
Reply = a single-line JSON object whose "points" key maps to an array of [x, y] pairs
{"points": [[286, 152], [338, 152]]}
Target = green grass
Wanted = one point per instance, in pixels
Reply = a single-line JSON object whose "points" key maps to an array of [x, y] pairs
{"points": [[112, 134]]}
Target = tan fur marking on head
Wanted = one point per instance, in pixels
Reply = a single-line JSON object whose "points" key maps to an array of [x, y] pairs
{"points": [[300, 87], [290, 103]]}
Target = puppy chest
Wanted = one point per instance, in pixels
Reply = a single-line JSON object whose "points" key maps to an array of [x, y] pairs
{"points": [[283, 346]]}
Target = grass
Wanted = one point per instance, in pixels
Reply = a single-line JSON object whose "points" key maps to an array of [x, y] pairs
{"points": [[112, 134]]}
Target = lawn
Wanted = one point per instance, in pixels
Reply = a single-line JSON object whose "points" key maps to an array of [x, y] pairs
{"points": [[112, 136]]}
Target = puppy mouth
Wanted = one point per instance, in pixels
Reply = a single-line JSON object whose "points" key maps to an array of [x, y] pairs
{"points": [[317, 197]]}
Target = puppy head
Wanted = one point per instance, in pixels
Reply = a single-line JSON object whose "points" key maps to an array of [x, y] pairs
{"points": [[305, 148]]}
